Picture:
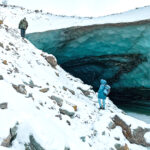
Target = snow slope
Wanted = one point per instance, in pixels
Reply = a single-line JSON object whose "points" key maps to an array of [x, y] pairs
{"points": [[42, 21], [39, 115]]}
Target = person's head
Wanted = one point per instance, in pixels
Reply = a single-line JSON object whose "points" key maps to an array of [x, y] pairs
{"points": [[24, 18], [103, 81]]}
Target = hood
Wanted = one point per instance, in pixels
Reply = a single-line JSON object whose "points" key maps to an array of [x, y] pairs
{"points": [[103, 81]]}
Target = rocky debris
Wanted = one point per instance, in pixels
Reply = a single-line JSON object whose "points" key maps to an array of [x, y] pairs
{"points": [[67, 148], [8, 48], [1, 77], [111, 125], [83, 138], [51, 60], [33, 145], [66, 112], [3, 105], [75, 107], [5, 62], [11, 137], [68, 122], [71, 91], [85, 92], [125, 128], [58, 100], [119, 147], [44, 90], [59, 116], [30, 96], [136, 136], [31, 84], [1, 45], [20, 88]]}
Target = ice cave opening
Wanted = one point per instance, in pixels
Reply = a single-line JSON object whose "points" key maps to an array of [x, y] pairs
{"points": [[119, 53]]}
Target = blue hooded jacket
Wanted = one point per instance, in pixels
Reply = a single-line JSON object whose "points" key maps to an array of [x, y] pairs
{"points": [[101, 89]]}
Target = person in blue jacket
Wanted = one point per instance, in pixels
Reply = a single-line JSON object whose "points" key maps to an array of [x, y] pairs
{"points": [[103, 92]]}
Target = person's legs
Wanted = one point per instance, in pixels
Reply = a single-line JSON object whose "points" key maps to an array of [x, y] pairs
{"points": [[99, 101], [23, 33], [103, 103]]}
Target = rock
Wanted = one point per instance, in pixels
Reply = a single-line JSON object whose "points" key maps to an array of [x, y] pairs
{"points": [[82, 138], [7, 48], [5, 62], [111, 125], [68, 122], [1, 45], [117, 146], [136, 136], [67, 148], [75, 107], [51, 60], [124, 147], [126, 129], [11, 137], [66, 112], [71, 91], [58, 100], [117, 138], [20, 88], [33, 145], [85, 92], [3, 105], [1, 77], [103, 133], [44, 90]]}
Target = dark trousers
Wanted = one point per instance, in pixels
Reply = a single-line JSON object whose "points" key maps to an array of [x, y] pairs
{"points": [[23, 32]]}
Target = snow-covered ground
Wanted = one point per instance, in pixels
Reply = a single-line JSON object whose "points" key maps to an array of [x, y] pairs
{"points": [[21, 63], [43, 21], [35, 111]]}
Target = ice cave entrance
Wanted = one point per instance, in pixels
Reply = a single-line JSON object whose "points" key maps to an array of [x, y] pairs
{"points": [[119, 53]]}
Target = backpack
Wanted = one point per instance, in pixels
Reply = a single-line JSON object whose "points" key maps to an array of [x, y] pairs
{"points": [[107, 90]]}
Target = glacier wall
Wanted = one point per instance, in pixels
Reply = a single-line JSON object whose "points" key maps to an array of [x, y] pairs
{"points": [[119, 53]]}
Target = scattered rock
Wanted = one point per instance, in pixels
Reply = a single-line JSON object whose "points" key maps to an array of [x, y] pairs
{"points": [[59, 116], [44, 90], [33, 145], [124, 147], [57, 74], [117, 138], [5, 62], [11, 137], [1, 77], [85, 92], [103, 133], [75, 107], [136, 136], [117, 146], [68, 122], [58, 100], [1, 45], [71, 91], [7, 48], [83, 138], [51, 60], [3, 105], [20, 88], [111, 125], [67, 148], [66, 112]]}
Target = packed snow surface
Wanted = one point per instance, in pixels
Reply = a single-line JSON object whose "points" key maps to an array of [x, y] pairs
{"points": [[43, 21]]}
